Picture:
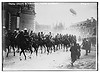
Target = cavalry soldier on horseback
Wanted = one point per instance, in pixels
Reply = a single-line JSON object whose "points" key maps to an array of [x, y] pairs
{"points": [[24, 42], [50, 36], [26, 35], [42, 36], [25, 32], [31, 33]]}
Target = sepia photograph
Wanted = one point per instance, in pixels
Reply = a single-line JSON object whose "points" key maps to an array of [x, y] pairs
{"points": [[49, 36]]}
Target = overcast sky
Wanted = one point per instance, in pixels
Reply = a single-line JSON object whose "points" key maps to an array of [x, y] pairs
{"points": [[52, 13]]}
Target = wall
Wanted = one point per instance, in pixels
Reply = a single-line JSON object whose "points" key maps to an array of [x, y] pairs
{"points": [[26, 21]]}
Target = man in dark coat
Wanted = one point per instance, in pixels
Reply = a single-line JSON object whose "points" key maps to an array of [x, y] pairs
{"points": [[73, 51], [78, 51], [87, 46]]}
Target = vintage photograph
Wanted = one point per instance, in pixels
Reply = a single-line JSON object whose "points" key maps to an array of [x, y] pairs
{"points": [[49, 36]]}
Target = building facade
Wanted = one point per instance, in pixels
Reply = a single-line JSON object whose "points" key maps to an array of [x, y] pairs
{"points": [[18, 15]]}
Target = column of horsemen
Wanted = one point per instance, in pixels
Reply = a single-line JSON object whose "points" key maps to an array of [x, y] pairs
{"points": [[23, 41]]}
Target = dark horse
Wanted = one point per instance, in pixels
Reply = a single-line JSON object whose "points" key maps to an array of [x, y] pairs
{"points": [[24, 44], [35, 43], [57, 43], [10, 42], [50, 44], [66, 43], [42, 44]]}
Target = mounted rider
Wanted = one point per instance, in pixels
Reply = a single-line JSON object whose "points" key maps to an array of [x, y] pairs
{"points": [[42, 36], [50, 36], [26, 32], [26, 36]]}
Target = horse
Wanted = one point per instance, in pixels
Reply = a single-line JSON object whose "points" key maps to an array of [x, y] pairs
{"points": [[49, 44], [66, 43], [24, 44], [9, 42], [35, 43]]}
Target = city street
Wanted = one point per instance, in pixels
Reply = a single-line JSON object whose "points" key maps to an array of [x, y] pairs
{"points": [[56, 60]]}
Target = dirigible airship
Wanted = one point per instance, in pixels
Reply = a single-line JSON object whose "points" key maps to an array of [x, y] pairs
{"points": [[73, 11]]}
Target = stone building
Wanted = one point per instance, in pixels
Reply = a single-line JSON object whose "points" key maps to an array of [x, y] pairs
{"points": [[18, 15]]}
